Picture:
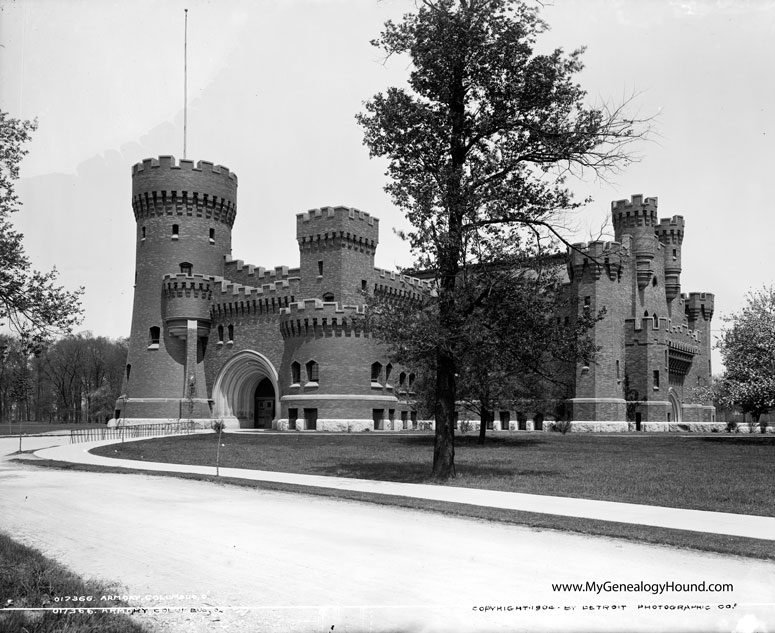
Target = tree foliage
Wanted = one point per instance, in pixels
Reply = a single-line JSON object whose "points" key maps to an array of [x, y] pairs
{"points": [[747, 346], [76, 378], [31, 302], [479, 146]]}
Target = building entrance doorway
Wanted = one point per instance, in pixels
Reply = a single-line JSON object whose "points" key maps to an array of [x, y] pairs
{"points": [[263, 404]]}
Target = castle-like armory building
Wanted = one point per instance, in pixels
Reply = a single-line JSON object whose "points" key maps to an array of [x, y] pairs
{"points": [[286, 348]]}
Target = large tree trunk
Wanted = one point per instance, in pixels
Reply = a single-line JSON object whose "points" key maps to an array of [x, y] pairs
{"points": [[484, 419], [444, 447]]}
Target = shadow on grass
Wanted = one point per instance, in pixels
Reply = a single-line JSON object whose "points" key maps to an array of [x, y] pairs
{"points": [[746, 440], [402, 472]]}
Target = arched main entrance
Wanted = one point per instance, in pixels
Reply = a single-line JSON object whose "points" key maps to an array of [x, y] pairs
{"points": [[675, 407], [245, 393]]}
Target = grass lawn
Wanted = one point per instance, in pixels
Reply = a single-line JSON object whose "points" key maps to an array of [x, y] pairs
{"points": [[29, 581], [726, 473]]}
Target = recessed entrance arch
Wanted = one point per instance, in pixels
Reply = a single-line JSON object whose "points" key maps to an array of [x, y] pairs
{"points": [[246, 380], [675, 407]]}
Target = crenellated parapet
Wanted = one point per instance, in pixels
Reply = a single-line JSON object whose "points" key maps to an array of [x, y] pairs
{"points": [[699, 306], [634, 216], [337, 227], [670, 231], [232, 299], [313, 317], [598, 259], [401, 287], [164, 187], [187, 298], [236, 270]]}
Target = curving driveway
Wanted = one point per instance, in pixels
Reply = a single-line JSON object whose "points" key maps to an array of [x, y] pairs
{"points": [[270, 561]]}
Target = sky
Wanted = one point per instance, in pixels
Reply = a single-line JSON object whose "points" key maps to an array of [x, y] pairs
{"points": [[273, 89]]}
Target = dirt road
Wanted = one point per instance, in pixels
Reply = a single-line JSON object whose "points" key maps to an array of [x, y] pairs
{"points": [[267, 561]]}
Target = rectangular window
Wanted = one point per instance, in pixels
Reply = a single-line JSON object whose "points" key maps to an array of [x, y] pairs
{"points": [[363, 285], [656, 379], [404, 420], [320, 268], [310, 419], [504, 420], [488, 415], [378, 416], [293, 415], [413, 417], [212, 236]]}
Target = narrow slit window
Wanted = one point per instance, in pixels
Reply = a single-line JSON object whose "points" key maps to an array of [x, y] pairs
{"points": [[175, 231], [212, 236], [231, 333], [295, 373]]}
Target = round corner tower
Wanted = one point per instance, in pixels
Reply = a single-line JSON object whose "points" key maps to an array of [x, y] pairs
{"points": [[184, 214]]}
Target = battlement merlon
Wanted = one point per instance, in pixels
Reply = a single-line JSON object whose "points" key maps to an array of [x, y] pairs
{"points": [[337, 222], [699, 305], [167, 174], [671, 230], [598, 255], [636, 216]]}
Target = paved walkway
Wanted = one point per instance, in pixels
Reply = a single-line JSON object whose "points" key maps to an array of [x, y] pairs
{"points": [[693, 520]]}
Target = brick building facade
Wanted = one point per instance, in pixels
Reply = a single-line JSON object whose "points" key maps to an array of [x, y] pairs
{"points": [[286, 348]]}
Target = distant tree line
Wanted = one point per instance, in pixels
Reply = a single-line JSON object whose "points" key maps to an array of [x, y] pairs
{"points": [[76, 378]]}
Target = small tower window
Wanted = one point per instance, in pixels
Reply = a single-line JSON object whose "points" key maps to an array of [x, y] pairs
{"points": [[656, 379], [364, 285], [376, 372], [231, 333], [295, 373], [617, 370], [320, 268], [154, 334], [656, 321], [312, 371], [329, 296], [186, 268], [220, 334], [212, 236], [128, 371], [675, 253], [175, 231], [143, 232]]}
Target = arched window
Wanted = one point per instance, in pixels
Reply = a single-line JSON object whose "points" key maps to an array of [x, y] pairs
{"points": [[656, 321], [295, 373], [401, 379], [186, 268], [220, 334], [154, 334], [329, 296], [312, 371], [388, 371], [231, 333], [411, 380], [376, 372]]}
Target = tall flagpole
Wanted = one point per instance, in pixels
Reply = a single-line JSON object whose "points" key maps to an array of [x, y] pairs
{"points": [[185, 80]]}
